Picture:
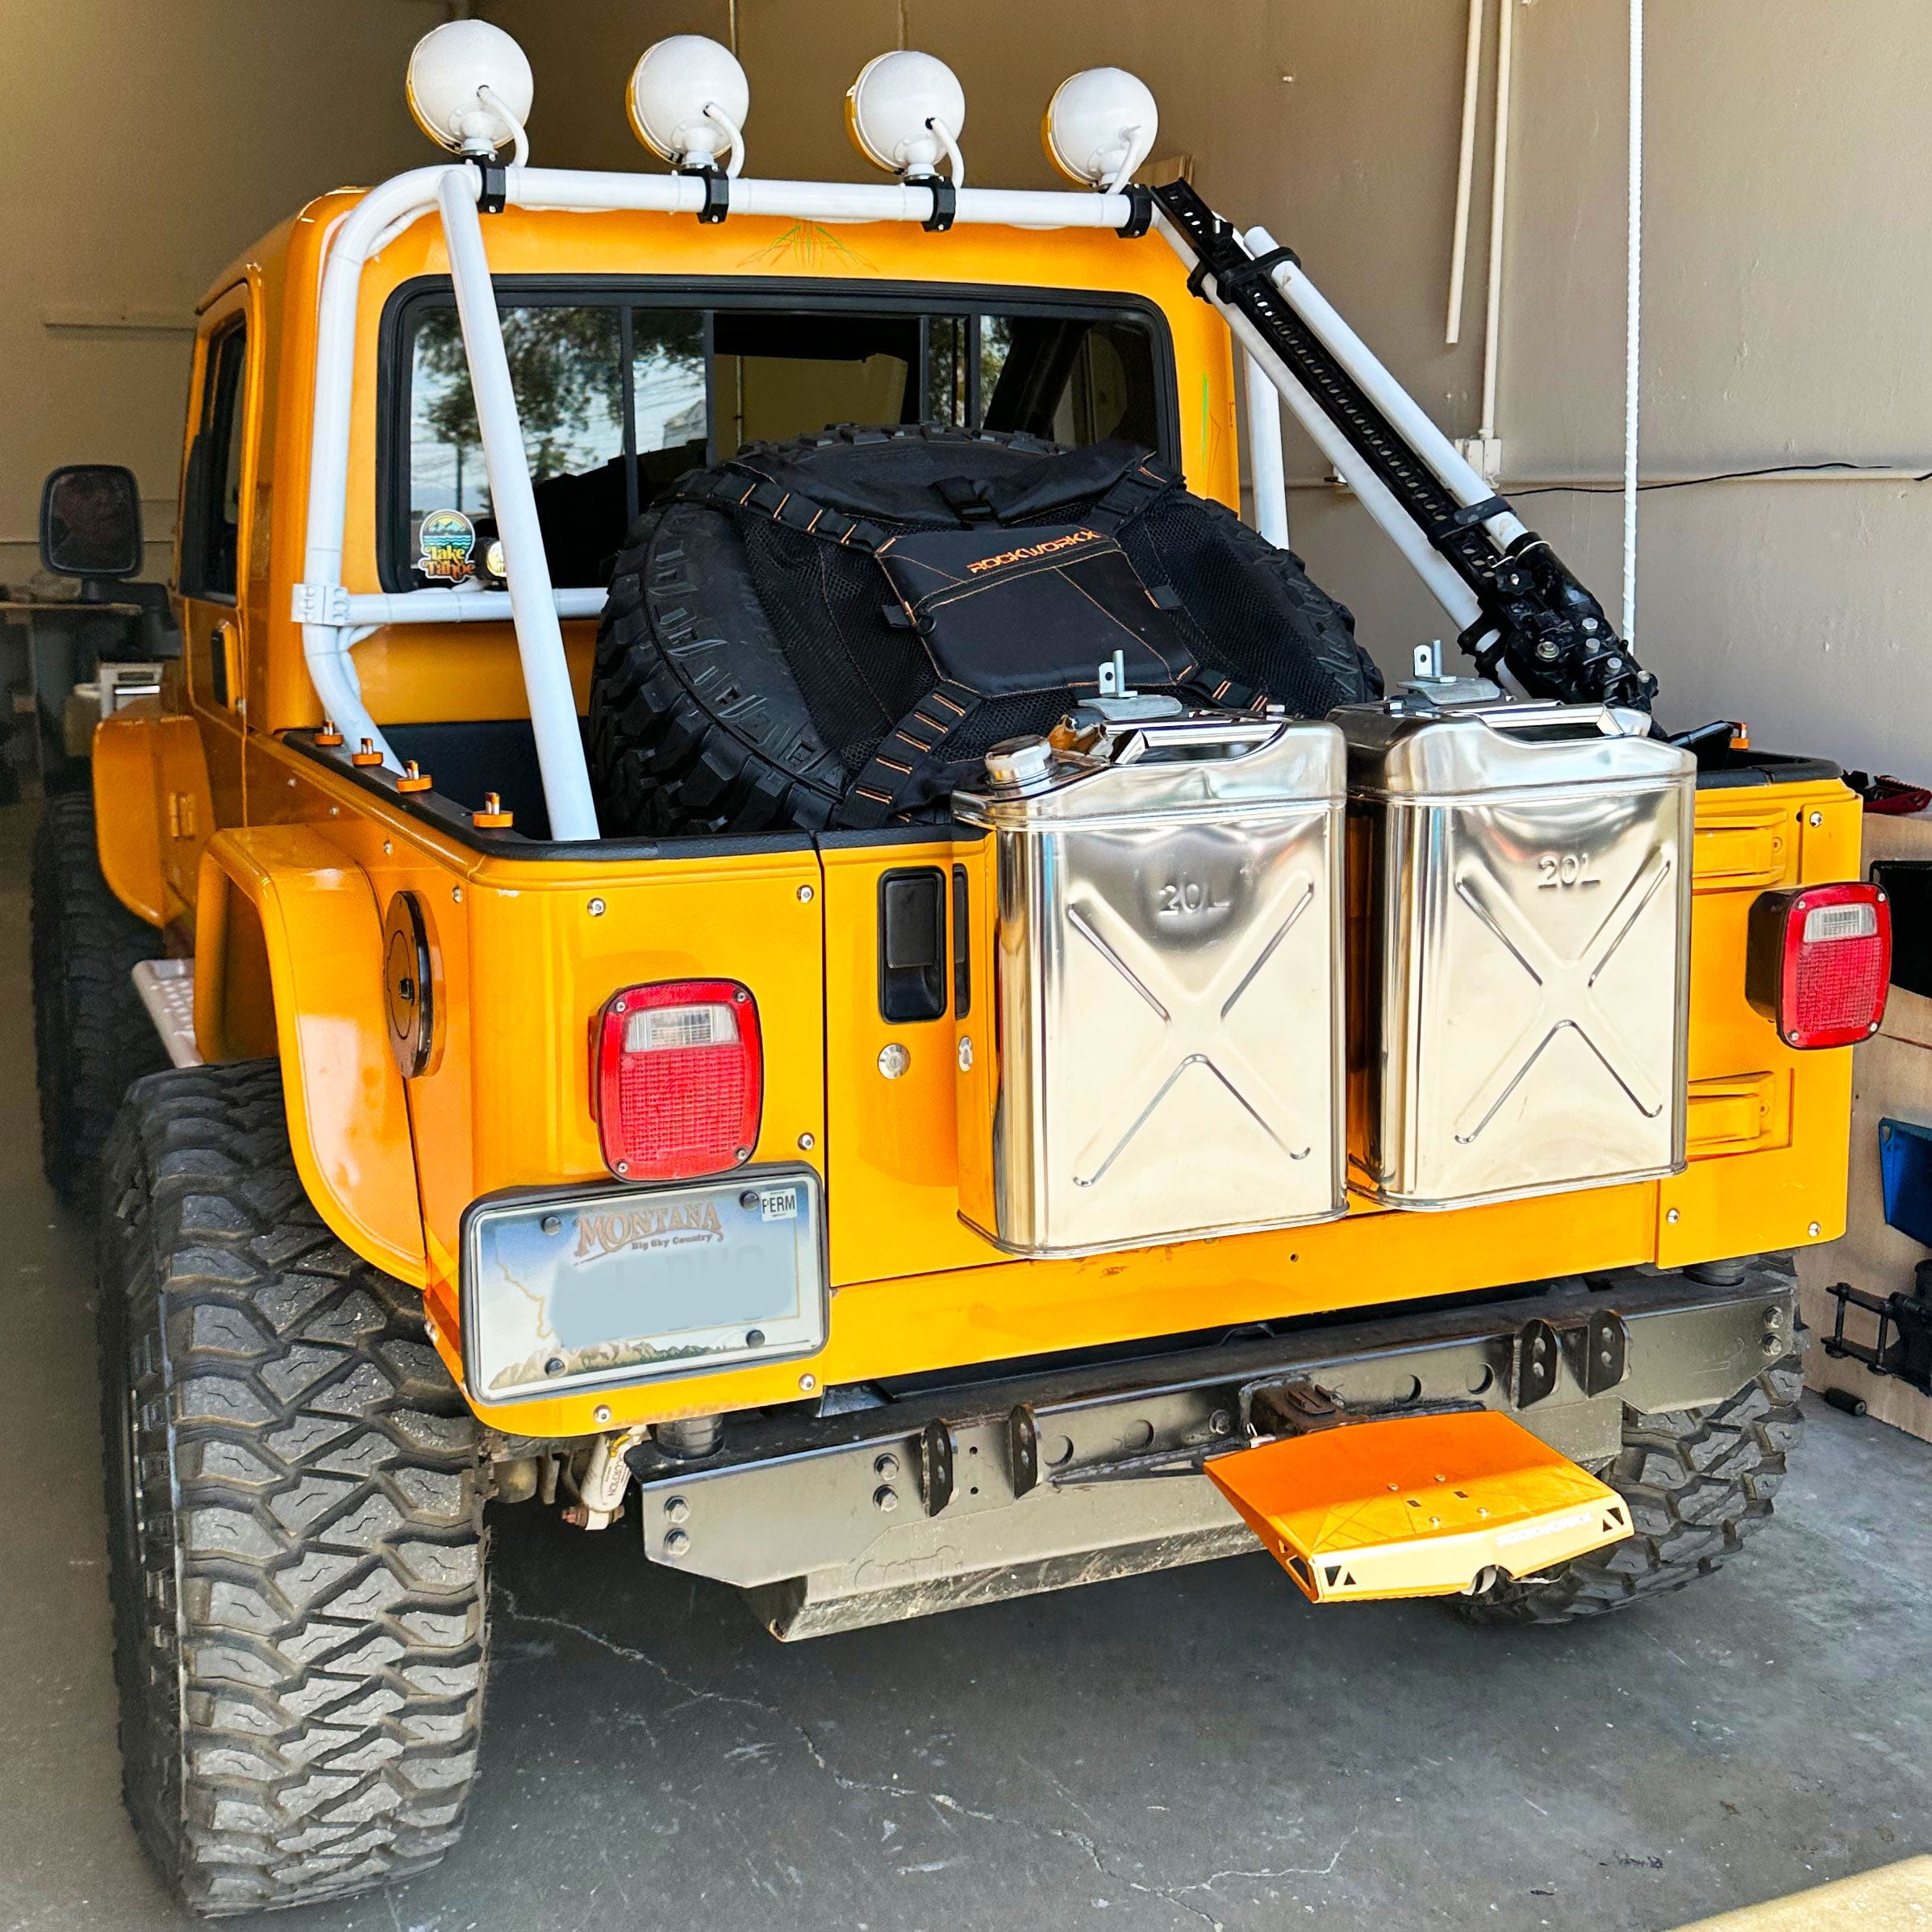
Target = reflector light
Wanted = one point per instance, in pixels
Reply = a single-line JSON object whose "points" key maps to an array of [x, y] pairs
{"points": [[1820, 962], [1858, 920], [679, 1080]]}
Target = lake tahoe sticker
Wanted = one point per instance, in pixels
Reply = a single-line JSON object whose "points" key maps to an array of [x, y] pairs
{"points": [[444, 542]]}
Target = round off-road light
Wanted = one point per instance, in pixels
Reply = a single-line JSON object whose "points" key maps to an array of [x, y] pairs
{"points": [[469, 87], [1099, 126], [687, 101], [904, 113]]}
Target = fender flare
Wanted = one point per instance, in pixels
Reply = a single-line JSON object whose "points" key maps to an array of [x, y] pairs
{"points": [[126, 751], [348, 1113]]}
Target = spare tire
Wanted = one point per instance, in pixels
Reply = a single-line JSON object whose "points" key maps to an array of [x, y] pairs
{"points": [[768, 657]]}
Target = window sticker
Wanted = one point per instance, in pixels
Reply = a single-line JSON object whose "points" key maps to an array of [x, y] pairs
{"points": [[444, 541]]}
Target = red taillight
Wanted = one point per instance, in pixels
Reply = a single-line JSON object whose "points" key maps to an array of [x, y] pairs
{"points": [[678, 1079], [1820, 962]]}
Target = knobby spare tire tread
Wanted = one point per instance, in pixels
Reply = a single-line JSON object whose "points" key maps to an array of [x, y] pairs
{"points": [[663, 765], [92, 1036], [719, 681], [294, 1507], [1699, 1482]]}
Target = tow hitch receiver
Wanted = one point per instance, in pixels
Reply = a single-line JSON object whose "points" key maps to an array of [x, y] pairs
{"points": [[1416, 1505]]}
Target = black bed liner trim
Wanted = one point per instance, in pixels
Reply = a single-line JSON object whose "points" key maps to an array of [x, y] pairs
{"points": [[452, 819], [1768, 768]]}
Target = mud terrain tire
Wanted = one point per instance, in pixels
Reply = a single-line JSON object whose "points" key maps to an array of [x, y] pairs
{"points": [[738, 690], [92, 1036], [1698, 1481], [295, 1509]]}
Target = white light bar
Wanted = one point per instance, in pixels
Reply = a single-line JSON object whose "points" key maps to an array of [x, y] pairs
{"points": [[816, 200]]}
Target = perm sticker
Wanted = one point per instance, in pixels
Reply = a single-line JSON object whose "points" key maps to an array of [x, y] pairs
{"points": [[444, 543], [779, 1203]]}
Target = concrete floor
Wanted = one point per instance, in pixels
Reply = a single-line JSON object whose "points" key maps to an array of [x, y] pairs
{"points": [[1201, 1749]]}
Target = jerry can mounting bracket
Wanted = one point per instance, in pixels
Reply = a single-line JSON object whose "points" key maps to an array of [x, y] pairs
{"points": [[1596, 1348], [936, 1466]]}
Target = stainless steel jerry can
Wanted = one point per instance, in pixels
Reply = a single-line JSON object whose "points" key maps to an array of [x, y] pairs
{"points": [[1164, 1057], [1521, 951]]}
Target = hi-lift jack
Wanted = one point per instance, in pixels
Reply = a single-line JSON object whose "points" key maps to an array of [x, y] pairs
{"points": [[1532, 616]]}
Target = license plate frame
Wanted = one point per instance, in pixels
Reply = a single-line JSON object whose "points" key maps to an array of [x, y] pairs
{"points": [[650, 1282]]}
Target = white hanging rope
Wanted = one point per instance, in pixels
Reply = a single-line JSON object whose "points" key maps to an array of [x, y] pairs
{"points": [[1633, 326], [1499, 209], [1466, 164]]}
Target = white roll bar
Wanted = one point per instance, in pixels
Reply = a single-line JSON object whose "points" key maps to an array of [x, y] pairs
{"points": [[540, 638], [1449, 590], [332, 619], [1267, 467], [1465, 483], [367, 609], [319, 606]]}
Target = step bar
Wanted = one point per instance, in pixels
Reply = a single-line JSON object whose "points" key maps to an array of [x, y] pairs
{"points": [[874, 1505], [167, 990], [1437, 1505]]}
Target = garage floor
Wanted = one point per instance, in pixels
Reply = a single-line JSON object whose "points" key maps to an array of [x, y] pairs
{"points": [[1201, 1749]]}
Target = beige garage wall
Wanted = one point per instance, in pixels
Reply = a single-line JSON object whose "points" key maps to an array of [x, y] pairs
{"points": [[1790, 264], [148, 142], [1790, 275]]}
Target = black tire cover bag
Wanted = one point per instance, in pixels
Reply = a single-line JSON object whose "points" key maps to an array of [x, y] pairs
{"points": [[833, 631]]}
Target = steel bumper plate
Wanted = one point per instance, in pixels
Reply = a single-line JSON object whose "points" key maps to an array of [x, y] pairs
{"points": [[1417, 1506], [565, 1288]]}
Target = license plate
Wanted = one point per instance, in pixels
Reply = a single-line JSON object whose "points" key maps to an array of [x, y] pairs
{"points": [[566, 1288]]}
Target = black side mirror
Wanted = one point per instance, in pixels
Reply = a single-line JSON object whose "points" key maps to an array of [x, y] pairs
{"points": [[90, 522]]}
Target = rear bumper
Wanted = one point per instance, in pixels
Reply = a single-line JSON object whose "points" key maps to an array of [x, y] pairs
{"points": [[1004, 1487]]}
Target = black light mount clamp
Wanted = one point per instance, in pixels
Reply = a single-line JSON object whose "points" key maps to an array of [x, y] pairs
{"points": [[717, 193], [1534, 616], [946, 201], [493, 191]]}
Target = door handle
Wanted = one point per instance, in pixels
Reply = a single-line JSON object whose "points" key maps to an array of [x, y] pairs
{"points": [[223, 664]]}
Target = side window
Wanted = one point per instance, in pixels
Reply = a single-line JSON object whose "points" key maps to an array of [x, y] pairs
{"points": [[211, 550]]}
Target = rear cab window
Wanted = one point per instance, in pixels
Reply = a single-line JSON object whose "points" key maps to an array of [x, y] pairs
{"points": [[622, 388]]}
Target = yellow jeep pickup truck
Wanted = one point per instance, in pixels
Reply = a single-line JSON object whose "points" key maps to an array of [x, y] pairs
{"points": [[754, 913]]}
